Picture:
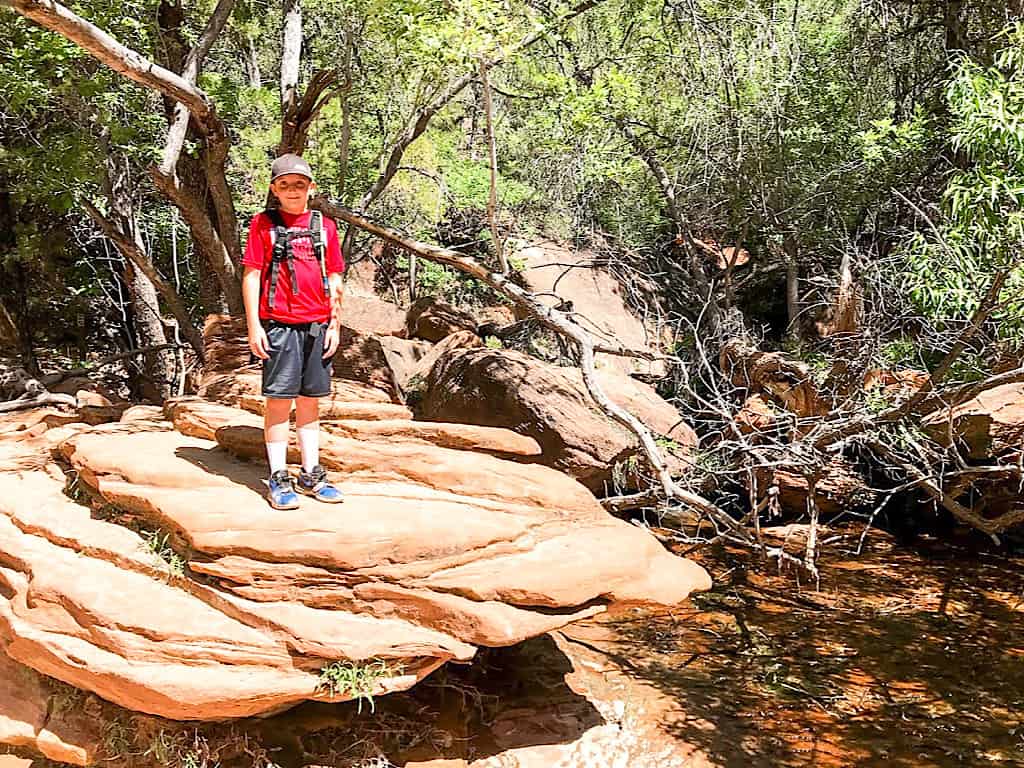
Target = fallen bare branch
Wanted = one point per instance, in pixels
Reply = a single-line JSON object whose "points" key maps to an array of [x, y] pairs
{"points": [[34, 401]]}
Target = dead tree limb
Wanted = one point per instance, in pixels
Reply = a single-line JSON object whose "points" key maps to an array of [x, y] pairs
{"points": [[492, 155], [291, 49], [130, 250], [55, 378], [34, 401], [298, 115], [991, 526], [560, 323], [896, 413]]}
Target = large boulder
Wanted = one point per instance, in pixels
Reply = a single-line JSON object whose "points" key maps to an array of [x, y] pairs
{"points": [[502, 388], [211, 605], [372, 315], [360, 357], [412, 365], [432, 319], [235, 388], [599, 302], [990, 425]]}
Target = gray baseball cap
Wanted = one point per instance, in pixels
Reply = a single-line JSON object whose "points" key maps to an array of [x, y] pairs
{"points": [[290, 163]]}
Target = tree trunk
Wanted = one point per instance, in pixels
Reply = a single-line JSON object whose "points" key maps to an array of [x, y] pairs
{"points": [[8, 329], [26, 328], [17, 324], [955, 25], [197, 186], [846, 312], [251, 63], [157, 373], [9, 338], [492, 156], [345, 139], [290, 54], [789, 249], [211, 298]]}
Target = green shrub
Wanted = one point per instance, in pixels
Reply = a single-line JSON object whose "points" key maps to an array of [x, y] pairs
{"points": [[356, 680]]}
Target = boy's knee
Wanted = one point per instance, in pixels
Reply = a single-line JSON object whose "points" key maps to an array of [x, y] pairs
{"points": [[277, 408]]}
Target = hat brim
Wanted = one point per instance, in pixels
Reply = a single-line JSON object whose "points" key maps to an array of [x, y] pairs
{"points": [[291, 173]]}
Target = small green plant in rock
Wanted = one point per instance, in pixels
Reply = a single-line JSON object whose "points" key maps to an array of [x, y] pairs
{"points": [[164, 748], [64, 698], [493, 342], [157, 544], [117, 740], [517, 264], [877, 400], [357, 680], [415, 389]]}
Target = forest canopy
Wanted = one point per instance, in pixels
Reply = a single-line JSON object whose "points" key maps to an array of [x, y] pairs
{"points": [[867, 155]]}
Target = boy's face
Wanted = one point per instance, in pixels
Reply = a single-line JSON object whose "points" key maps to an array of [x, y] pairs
{"points": [[293, 190]]}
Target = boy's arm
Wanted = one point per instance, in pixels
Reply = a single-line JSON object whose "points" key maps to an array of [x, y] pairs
{"points": [[258, 343], [335, 267], [337, 290], [336, 286]]}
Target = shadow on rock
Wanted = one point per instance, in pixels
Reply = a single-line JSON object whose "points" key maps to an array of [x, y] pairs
{"points": [[218, 461]]}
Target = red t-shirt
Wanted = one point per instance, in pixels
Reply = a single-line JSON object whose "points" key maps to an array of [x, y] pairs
{"points": [[310, 304]]}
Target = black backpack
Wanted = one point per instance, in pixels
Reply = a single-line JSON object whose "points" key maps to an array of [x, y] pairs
{"points": [[282, 238]]}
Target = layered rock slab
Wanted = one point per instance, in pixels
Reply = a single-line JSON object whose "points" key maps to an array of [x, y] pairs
{"points": [[437, 550], [201, 418], [86, 602], [478, 549]]}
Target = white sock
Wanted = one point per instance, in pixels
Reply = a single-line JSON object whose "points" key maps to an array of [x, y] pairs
{"points": [[277, 455], [309, 445]]}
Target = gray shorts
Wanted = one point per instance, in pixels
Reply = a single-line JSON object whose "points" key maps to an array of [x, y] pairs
{"points": [[296, 365]]}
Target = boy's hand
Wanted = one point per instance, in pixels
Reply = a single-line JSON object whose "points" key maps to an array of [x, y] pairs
{"points": [[259, 344], [331, 338]]}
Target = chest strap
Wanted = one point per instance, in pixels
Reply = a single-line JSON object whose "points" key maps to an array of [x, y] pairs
{"points": [[281, 240]]}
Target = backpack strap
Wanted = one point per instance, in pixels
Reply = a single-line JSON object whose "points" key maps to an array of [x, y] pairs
{"points": [[281, 253], [316, 228]]}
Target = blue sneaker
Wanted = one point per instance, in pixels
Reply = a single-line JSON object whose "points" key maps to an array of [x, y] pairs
{"points": [[316, 484], [281, 494]]}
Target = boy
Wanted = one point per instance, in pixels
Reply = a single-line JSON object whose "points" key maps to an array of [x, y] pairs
{"points": [[292, 292]]}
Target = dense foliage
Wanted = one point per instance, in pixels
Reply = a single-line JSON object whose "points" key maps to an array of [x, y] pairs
{"points": [[886, 131]]}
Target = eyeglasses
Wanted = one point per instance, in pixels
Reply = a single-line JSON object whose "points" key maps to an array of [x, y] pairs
{"points": [[295, 186]]}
